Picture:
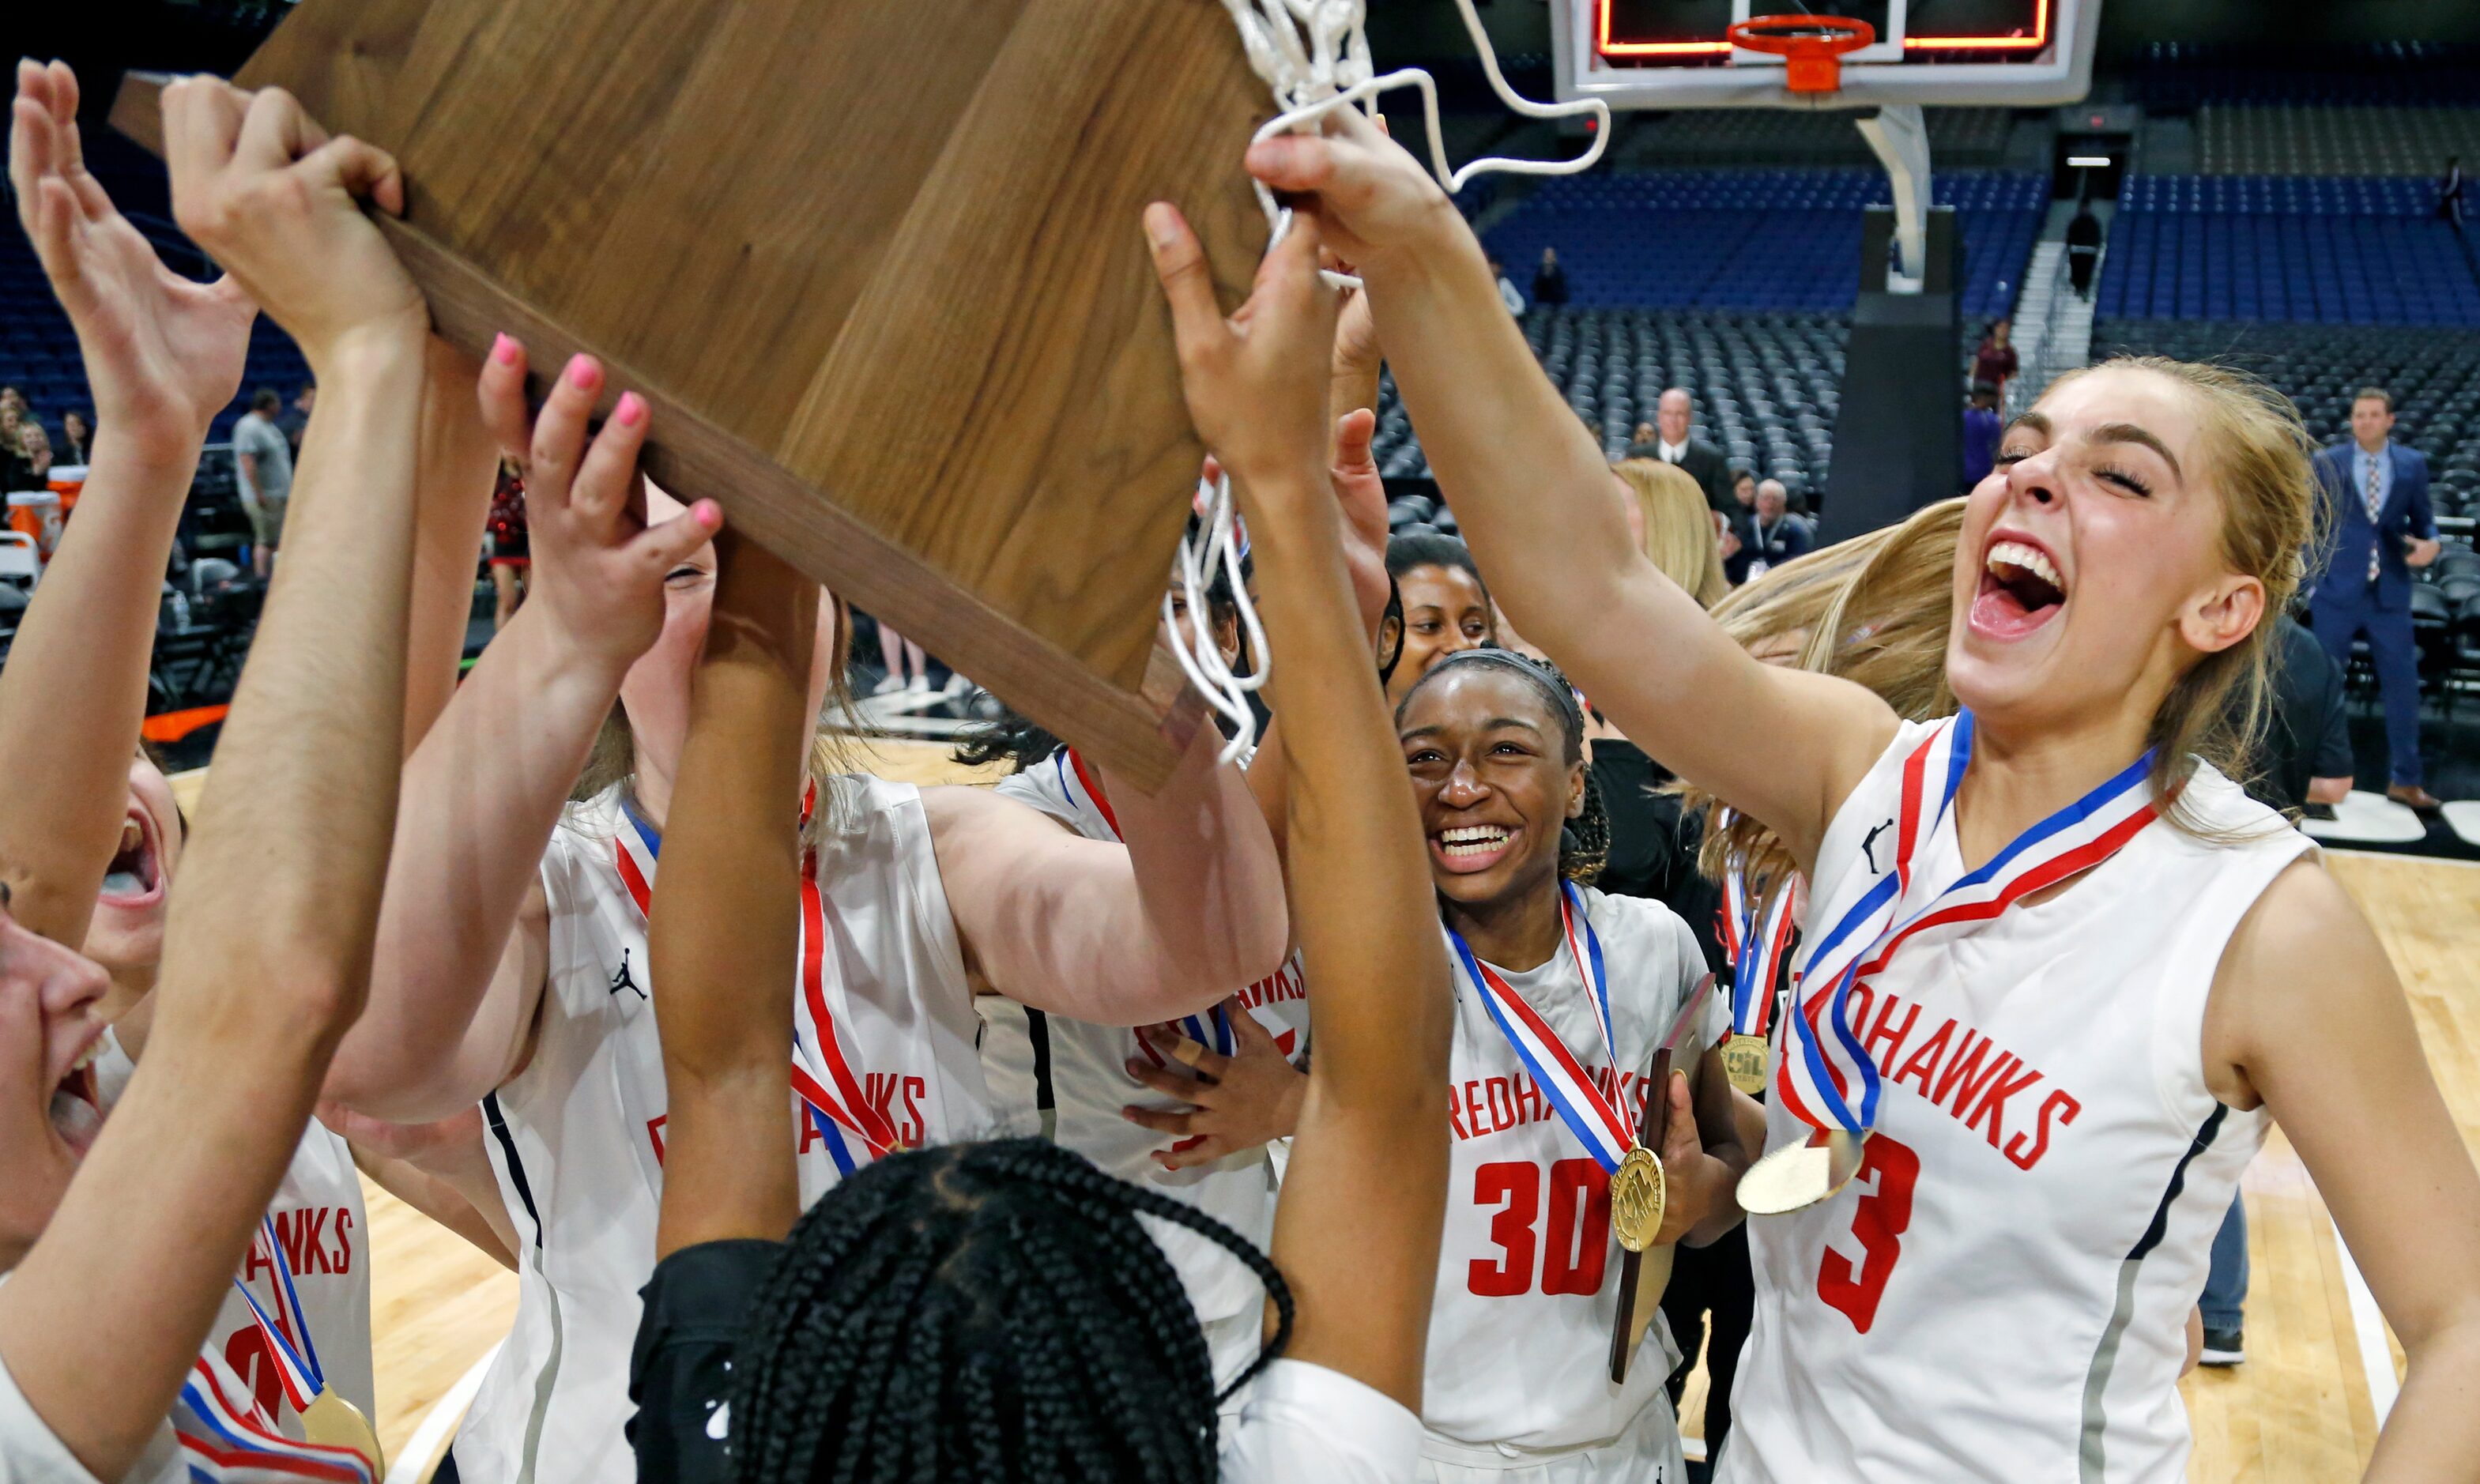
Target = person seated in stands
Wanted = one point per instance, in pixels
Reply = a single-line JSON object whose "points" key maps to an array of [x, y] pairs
{"points": [[78, 435], [34, 452], [1995, 361], [1982, 429], [1507, 293]]}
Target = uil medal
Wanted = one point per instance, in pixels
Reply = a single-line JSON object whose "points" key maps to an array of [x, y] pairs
{"points": [[331, 1420], [1637, 1195], [1743, 1056]]}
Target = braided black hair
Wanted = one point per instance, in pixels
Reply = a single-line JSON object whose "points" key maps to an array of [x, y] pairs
{"points": [[1585, 841], [986, 1313]]}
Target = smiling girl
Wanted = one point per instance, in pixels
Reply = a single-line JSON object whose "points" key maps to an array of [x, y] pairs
{"points": [[2064, 1076]]}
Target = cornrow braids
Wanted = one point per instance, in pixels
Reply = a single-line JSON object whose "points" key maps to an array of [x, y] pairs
{"points": [[1010, 737], [1585, 841], [984, 1314]]}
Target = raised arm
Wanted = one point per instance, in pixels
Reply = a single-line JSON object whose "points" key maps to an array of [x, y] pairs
{"points": [[2307, 1017], [463, 933], [726, 924], [1531, 492], [162, 355], [270, 943], [1356, 1230], [1188, 909]]}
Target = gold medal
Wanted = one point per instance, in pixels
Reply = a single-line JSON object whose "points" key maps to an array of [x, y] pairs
{"points": [[1743, 1056], [1637, 1198], [335, 1422], [1789, 1179]]}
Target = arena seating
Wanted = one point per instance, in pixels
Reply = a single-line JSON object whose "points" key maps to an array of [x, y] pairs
{"points": [[2304, 139], [2433, 375], [1967, 137], [1778, 239], [2173, 75], [1766, 384], [2332, 251]]}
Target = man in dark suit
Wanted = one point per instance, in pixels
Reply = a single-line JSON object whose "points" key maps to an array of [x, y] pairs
{"points": [[1673, 444], [2380, 527]]}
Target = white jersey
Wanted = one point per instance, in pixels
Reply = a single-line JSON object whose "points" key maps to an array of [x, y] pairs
{"points": [[1305, 1422], [1082, 1080], [2003, 1291], [1518, 1364], [576, 1136], [324, 1235]]}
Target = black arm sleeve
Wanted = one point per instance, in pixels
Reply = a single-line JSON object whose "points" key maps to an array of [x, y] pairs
{"points": [[679, 1373]]}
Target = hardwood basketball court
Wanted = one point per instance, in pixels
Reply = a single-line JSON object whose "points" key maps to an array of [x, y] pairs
{"points": [[2304, 1409]]}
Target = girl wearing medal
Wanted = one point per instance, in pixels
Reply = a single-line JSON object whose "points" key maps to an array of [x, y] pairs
{"points": [[2058, 972], [124, 1242], [1563, 996], [512, 965]]}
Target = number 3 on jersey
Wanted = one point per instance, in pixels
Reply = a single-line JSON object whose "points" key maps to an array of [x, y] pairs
{"points": [[1575, 1244], [1878, 1222]]}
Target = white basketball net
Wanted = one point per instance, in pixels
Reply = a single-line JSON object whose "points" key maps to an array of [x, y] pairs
{"points": [[1314, 55]]}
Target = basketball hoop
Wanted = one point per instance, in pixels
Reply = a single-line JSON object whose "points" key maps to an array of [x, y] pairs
{"points": [[1811, 46]]}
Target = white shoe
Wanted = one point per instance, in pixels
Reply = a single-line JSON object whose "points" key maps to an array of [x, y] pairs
{"points": [[889, 686], [920, 684]]}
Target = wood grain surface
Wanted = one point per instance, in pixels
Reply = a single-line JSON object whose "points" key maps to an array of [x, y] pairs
{"points": [[876, 265]]}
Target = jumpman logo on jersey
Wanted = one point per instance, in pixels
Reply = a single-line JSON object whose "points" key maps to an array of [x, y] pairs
{"points": [[1869, 848], [621, 981]]}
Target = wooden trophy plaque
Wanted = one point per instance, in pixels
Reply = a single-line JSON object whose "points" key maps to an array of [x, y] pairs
{"points": [[876, 263]]}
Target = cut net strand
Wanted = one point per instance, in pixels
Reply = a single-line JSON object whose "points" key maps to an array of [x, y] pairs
{"points": [[1314, 55]]}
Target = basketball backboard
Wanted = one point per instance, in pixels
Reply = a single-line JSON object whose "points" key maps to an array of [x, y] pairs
{"points": [[1666, 54]]}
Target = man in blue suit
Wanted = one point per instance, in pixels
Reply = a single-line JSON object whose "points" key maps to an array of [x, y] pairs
{"points": [[2379, 527]]}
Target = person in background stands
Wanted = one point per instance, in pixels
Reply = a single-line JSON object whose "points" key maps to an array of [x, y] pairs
{"points": [[263, 475], [78, 435], [2084, 250], [12, 422], [1772, 535], [34, 451], [2450, 193], [1995, 361], [1550, 280], [1674, 444], [1982, 427], [1508, 293], [2379, 527]]}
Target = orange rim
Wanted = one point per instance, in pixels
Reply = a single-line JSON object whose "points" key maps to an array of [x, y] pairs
{"points": [[1811, 46]]}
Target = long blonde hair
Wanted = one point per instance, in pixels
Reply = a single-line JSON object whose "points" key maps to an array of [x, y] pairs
{"points": [[2260, 461], [1874, 610], [1679, 535]]}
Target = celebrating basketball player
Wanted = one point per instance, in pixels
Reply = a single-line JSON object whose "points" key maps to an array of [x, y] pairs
{"points": [[2059, 970], [135, 1246], [993, 1313], [513, 965]]}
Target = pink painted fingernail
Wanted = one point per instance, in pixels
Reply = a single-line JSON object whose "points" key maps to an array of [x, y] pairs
{"points": [[504, 350], [581, 372], [631, 410], [707, 513]]}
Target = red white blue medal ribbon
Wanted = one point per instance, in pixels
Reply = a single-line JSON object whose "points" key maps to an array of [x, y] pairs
{"points": [[1828, 1078], [1757, 962], [1210, 1029], [1753, 945], [1555, 1069], [821, 1074], [226, 1437]]}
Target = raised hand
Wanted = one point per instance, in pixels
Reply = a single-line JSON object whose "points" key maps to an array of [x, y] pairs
{"points": [[163, 354], [1255, 383], [598, 570], [1362, 496], [1236, 1102], [264, 190], [1371, 199]]}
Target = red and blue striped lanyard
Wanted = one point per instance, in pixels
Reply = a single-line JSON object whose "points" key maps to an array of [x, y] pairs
{"points": [[1572, 1089]]}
